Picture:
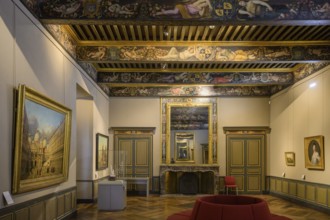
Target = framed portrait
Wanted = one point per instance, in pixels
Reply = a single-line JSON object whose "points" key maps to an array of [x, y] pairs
{"points": [[42, 141], [102, 149], [314, 152], [290, 159]]}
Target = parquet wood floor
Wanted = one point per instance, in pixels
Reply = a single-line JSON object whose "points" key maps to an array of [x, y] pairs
{"points": [[157, 207]]}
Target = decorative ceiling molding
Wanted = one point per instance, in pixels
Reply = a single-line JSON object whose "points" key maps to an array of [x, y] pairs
{"points": [[164, 48]]}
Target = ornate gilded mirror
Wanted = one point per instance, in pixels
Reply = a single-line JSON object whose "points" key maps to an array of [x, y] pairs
{"points": [[188, 124]]}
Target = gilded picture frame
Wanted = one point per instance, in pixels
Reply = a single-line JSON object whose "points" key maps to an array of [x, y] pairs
{"points": [[42, 141], [290, 159], [102, 151], [314, 152]]}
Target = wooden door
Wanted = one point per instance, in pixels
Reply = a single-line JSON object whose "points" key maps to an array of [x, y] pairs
{"points": [[133, 155], [245, 161]]}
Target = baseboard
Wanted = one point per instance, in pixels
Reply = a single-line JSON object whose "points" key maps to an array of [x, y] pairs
{"points": [[69, 216], [86, 201]]}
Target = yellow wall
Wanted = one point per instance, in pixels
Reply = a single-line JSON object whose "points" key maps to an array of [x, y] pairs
{"points": [[145, 112], [296, 113], [29, 55]]}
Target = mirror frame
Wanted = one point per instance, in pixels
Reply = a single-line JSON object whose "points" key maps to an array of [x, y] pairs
{"points": [[168, 103]]}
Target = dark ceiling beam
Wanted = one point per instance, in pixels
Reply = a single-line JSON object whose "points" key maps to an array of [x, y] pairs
{"points": [[192, 91], [136, 43], [195, 53], [279, 12], [204, 78], [193, 70], [168, 22]]}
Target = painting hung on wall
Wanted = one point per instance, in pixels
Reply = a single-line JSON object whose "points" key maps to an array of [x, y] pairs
{"points": [[102, 148], [290, 158], [42, 141], [314, 152]]}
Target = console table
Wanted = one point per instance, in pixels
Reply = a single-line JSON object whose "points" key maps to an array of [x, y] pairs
{"points": [[137, 180]]}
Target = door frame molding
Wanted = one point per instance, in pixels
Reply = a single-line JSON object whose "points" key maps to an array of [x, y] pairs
{"points": [[247, 130], [132, 130]]}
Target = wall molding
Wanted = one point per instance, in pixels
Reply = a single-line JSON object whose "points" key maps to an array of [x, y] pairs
{"points": [[315, 195], [59, 205], [247, 130]]}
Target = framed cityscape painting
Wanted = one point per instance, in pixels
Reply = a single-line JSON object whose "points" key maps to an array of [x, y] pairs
{"points": [[102, 149], [42, 141], [314, 152]]}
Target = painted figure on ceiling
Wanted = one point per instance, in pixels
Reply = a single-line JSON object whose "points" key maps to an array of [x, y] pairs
{"points": [[133, 53], [189, 9], [277, 53], [321, 11], [67, 10], [224, 54], [253, 8], [173, 54], [112, 9], [99, 54], [261, 9]]}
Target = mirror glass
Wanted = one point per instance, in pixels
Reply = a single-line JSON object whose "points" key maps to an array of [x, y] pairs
{"points": [[184, 146], [189, 129]]}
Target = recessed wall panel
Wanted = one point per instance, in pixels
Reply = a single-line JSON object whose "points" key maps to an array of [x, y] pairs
{"points": [[22, 214], [51, 207], [321, 195], [37, 211], [7, 217]]}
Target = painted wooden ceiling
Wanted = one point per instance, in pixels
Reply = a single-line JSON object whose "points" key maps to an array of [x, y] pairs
{"points": [[191, 48]]}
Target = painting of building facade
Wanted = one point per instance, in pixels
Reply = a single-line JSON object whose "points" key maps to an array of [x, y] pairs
{"points": [[42, 138]]}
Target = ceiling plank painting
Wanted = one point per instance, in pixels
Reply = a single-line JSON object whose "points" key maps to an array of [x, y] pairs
{"points": [[191, 47]]}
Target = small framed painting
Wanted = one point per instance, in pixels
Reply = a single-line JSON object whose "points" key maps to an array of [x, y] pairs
{"points": [[102, 149], [290, 159], [314, 152]]}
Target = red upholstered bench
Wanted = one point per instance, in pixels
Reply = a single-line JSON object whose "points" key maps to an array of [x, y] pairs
{"points": [[228, 207]]}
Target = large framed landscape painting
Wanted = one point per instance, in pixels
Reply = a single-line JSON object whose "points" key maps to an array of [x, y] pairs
{"points": [[314, 152], [42, 141], [102, 148]]}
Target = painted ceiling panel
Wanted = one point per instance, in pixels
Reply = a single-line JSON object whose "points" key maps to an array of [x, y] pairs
{"points": [[191, 48]]}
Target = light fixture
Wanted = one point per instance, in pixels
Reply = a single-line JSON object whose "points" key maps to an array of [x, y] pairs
{"points": [[165, 31], [312, 85], [211, 27], [164, 66]]}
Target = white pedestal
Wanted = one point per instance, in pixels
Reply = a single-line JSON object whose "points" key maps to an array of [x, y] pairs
{"points": [[112, 195]]}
